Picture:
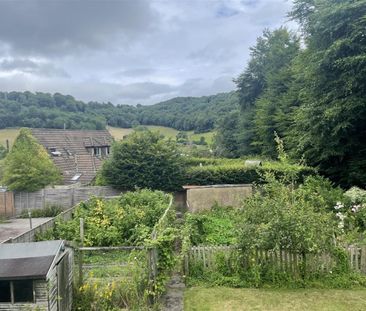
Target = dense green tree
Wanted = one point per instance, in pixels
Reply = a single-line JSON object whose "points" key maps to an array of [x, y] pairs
{"points": [[261, 91], [28, 167], [200, 114], [330, 125], [144, 160]]}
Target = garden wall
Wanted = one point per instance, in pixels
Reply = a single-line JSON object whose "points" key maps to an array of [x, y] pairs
{"points": [[63, 196], [204, 197]]}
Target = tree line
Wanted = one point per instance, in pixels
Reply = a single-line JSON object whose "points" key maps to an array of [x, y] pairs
{"points": [[43, 110], [309, 89]]}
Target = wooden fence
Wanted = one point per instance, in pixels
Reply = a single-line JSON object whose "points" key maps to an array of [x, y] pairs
{"points": [[64, 196], [357, 256], [30, 235], [7, 204], [206, 256]]}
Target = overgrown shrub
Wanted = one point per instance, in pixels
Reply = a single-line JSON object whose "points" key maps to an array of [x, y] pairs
{"points": [[125, 221], [279, 216], [144, 160]]}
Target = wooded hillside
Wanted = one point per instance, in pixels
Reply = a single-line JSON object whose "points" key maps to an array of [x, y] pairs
{"points": [[26, 109]]}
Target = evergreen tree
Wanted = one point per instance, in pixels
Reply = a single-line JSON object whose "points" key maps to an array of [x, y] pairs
{"points": [[144, 160], [261, 88], [28, 167], [330, 125]]}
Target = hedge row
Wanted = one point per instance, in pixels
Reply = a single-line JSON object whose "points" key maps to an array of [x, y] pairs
{"points": [[239, 174]]}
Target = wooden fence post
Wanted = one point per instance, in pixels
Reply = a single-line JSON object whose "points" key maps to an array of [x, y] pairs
{"points": [[81, 252]]}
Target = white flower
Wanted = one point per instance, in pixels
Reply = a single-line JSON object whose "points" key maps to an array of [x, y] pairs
{"points": [[338, 206], [340, 216]]}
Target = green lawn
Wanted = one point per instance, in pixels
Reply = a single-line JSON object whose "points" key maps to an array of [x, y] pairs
{"points": [[230, 299]]}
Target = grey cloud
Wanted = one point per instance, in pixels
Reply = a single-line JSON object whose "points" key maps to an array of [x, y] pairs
{"points": [[29, 66], [136, 72], [65, 26], [128, 51], [143, 90]]}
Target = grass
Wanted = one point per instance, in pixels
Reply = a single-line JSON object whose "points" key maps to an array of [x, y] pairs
{"points": [[119, 133], [10, 134], [230, 299]]}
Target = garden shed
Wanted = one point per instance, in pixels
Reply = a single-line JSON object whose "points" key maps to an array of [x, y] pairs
{"points": [[36, 276]]}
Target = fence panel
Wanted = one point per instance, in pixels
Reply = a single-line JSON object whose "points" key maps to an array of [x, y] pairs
{"points": [[281, 259], [64, 197], [7, 204]]}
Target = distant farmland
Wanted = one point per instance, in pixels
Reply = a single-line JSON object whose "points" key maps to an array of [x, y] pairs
{"points": [[117, 133]]}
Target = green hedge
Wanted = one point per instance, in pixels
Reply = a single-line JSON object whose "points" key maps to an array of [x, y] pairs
{"points": [[239, 174]]}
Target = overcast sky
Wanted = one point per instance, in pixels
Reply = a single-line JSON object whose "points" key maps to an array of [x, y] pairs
{"points": [[130, 51]]}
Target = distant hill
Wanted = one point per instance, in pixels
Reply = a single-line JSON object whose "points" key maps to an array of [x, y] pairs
{"points": [[26, 109], [190, 113]]}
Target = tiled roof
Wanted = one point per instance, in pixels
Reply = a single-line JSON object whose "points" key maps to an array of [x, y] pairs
{"points": [[73, 155]]}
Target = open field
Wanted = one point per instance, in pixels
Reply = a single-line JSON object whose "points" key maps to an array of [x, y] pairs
{"points": [[117, 133], [9, 134], [230, 299], [168, 132]]}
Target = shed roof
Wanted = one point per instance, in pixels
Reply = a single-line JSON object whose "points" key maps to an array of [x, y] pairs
{"points": [[28, 260]]}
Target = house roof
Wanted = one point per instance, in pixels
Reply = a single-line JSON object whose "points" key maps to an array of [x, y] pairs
{"points": [[69, 151], [28, 260]]}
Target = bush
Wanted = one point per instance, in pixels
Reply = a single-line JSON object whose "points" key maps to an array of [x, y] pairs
{"points": [[239, 174], [128, 220], [279, 216], [144, 160]]}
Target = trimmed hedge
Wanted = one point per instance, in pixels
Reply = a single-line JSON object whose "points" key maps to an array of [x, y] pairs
{"points": [[239, 174]]}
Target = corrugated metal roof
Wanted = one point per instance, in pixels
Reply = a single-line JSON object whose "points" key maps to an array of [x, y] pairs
{"points": [[27, 260]]}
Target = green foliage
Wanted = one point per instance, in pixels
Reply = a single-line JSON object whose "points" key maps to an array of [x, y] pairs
{"points": [[182, 138], [215, 227], [48, 211], [28, 166], [3, 152], [279, 216], [329, 126], [144, 160], [239, 174], [125, 292], [26, 109], [128, 220], [262, 88]]}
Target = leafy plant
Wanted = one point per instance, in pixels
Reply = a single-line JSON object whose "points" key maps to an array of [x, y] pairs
{"points": [[28, 167], [144, 160]]}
